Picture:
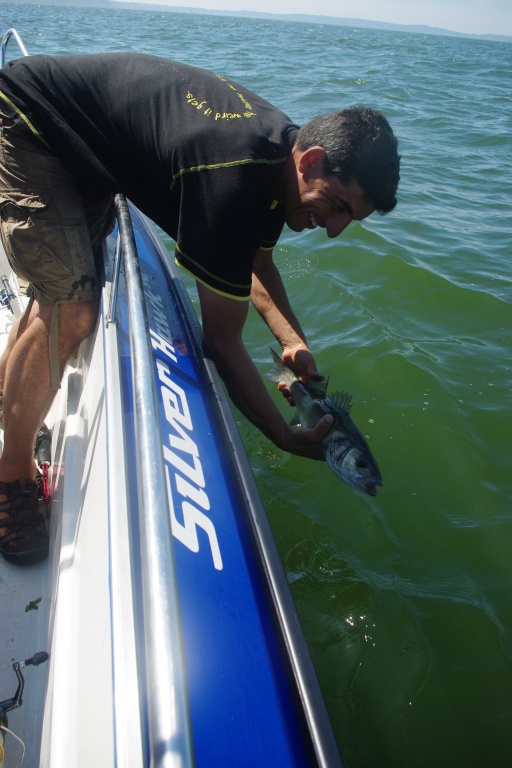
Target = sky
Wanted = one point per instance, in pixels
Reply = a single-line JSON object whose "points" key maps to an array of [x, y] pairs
{"points": [[470, 16]]}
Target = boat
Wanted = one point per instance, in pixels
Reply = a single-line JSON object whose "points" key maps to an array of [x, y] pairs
{"points": [[161, 630]]}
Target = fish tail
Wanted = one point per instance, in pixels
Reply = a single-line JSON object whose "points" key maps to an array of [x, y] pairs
{"points": [[279, 371]]}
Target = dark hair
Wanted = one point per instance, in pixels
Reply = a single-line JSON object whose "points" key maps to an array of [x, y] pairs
{"points": [[360, 146]]}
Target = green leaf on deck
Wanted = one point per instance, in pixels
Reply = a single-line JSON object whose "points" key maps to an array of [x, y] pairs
{"points": [[33, 605]]}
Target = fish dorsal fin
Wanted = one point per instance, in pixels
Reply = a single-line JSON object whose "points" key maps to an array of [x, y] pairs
{"points": [[342, 401]]}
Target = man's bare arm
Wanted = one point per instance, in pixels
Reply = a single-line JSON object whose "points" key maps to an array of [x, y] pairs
{"points": [[223, 322]]}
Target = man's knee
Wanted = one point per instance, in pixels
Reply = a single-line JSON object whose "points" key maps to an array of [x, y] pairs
{"points": [[77, 320]]}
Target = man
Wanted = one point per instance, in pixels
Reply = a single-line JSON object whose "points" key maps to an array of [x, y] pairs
{"points": [[218, 168]]}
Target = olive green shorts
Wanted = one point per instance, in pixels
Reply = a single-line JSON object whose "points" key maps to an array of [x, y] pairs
{"points": [[49, 233]]}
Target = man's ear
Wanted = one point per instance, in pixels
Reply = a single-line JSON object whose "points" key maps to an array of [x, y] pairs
{"points": [[311, 161]]}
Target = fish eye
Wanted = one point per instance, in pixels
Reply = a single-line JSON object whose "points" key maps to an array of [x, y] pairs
{"points": [[362, 464]]}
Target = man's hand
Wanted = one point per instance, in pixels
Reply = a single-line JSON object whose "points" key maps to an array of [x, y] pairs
{"points": [[307, 442], [302, 362]]}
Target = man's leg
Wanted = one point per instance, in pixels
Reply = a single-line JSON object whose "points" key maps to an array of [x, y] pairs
{"points": [[13, 335], [27, 389], [17, 327], [49, 233], [27, 396]]}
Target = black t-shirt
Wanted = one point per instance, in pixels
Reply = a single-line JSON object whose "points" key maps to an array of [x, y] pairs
{"points": [[197, 153]]}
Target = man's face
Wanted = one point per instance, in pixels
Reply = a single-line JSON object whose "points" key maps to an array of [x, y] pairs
{"points": [[323, 201]]}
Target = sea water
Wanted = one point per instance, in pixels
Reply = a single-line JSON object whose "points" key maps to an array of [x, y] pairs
{"points": [[406, 598]]}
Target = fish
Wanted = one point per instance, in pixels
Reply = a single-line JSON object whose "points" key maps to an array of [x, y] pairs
{"points": [[345, 449]]}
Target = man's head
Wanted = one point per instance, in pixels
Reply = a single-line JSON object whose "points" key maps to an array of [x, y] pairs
{"points": [[359, 147]]}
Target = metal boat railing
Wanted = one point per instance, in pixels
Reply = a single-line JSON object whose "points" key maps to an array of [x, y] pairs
{"points": [[169, 726], [3, 49]]}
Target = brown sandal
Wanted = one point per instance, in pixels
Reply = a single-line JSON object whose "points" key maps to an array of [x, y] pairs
{"points": [[26, 541]]}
